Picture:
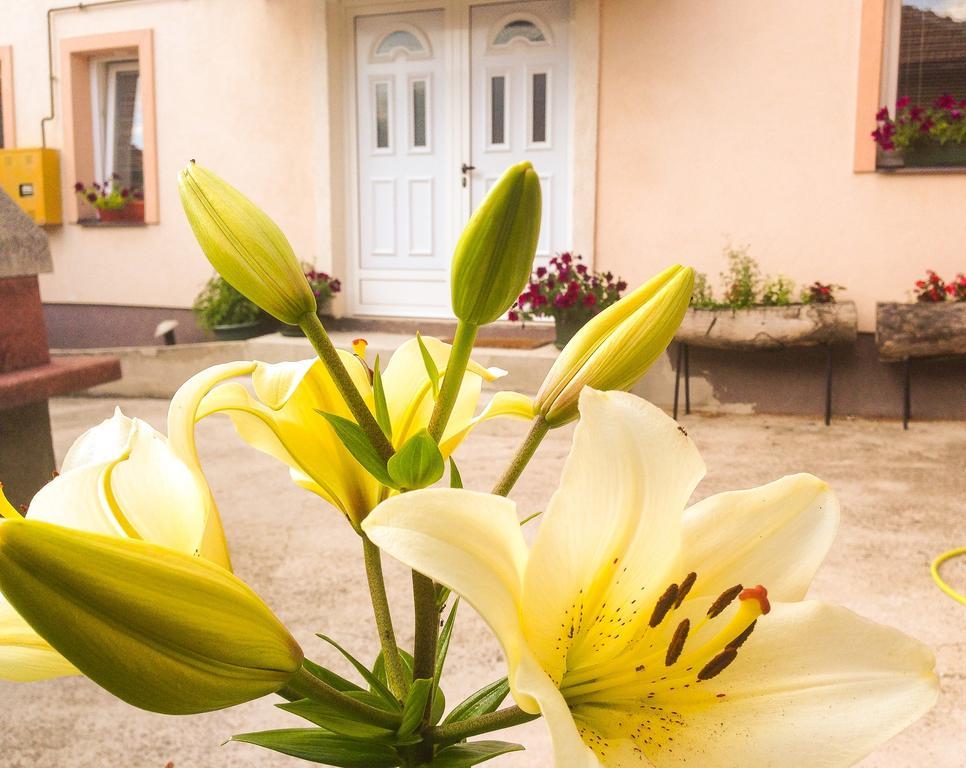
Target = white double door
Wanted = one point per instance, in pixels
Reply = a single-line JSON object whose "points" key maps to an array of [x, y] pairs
{"points": [[444, 106]]}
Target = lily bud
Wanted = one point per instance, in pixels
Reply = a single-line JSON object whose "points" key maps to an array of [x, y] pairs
{"points": [[494, 255], [244, 245], [615, 348], [159, 629]]}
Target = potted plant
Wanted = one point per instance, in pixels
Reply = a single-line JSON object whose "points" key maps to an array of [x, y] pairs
{"points": [[568, 292], [113, 202], [922, 136], [224, 311], [762, 312], [931, 326], [324, 287]]}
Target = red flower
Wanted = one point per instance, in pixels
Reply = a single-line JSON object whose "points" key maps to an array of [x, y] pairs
{"points": [[590, 300], [581, 269], [79, 187], [512, 316], [902, 103], [541, 271], [91, 197], [882, 114], [566, 258]]}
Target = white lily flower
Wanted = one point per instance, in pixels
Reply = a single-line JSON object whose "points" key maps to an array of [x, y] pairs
{"points": [[120, 478], [627, 626]]}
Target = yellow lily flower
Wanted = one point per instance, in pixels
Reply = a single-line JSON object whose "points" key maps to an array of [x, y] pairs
{"points": [[279, 416], [121, 479], [627, 626]]}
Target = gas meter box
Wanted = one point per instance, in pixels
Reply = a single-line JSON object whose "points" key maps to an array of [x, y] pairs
{"points": [[32, 179]]}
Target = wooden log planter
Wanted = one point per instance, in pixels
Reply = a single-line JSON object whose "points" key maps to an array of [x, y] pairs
{"points": [[764, 328], [920, 330]]}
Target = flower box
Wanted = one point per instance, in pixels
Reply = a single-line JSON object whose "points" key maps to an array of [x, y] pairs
{"points": [[923, 329], [793, 325], [929, 155]]}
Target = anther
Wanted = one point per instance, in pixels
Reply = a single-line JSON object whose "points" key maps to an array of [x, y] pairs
{"points": [[760, 594], [718, 664], [685, 588], [724, 600], [664, 604], [677, 642], [740, 640]]}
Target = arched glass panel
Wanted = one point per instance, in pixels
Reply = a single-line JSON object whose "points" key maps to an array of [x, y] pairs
{"points": [[519, 28], [401, 38]]}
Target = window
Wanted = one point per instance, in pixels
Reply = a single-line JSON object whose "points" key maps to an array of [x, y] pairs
{"points": [[518, 29], [107, 103], [538, 108], [383, 115], [7, 138], [932, 51], [118, 122], [498, 112]]}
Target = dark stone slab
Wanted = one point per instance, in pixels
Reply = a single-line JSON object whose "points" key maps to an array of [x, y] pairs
{"points": [[26, 452], [23, 245], [61, 376], [23, 335]]}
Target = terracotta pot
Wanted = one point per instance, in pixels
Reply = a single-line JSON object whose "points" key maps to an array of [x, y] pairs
{"points": [[109, 214]]}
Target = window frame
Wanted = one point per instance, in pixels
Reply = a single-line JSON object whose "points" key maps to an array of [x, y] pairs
{"points": [[80, 160], [103, 98], [6, 97]]}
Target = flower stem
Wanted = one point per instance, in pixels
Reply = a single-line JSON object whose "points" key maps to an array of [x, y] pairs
{"points": [[380, 609], [459, 356], [315, 332], [309, 686], [494, 721], [538, 430], [427, 626]]}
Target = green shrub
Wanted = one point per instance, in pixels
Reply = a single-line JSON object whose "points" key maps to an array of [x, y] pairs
{"points": [[220, 304]]}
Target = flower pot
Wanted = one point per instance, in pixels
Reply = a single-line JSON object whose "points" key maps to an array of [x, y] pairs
{"points": [[324, 311], [566, 327], [922, 329], [927, 155], [794, 325], [111, 214], [238, 331], [135, 210]]}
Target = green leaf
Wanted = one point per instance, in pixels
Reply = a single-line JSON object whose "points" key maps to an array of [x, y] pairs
{"points": [[484, 701], [472, 753], [328, 676], [379, 667], [375, 684], [455, 480], [319, 746], [444, 637], [330, 717], [357, 443], [415, 706], [418, 463], [431, 370], [527, 519], [382, 407]]}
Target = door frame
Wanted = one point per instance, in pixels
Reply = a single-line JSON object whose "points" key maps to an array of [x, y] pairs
{"points": [[584, 68]]}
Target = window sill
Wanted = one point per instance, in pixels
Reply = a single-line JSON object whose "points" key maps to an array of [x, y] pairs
{"points": [[98, 224]]}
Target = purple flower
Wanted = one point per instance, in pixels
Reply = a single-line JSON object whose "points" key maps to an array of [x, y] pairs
{"points": [[566, 258], [79, 186], [541, 271], [91, 197], [916, 114], [581, 269], [946, 101], [902, 103], [882, 114]]}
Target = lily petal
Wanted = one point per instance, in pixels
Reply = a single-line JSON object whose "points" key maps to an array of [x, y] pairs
{"points": [[101, 444], [503, 404], [814, 687], [470, 542], [612, 527], [80, 499], [24, 655], [776, 535]]}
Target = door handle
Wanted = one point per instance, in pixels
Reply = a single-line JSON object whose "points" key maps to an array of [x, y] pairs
{"points": [[467, 168]]}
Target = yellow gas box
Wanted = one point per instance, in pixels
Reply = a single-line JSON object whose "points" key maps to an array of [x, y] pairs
{"points": [[32, 178]]}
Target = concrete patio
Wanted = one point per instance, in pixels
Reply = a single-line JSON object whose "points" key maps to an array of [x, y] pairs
{"points": [[902, 498]]}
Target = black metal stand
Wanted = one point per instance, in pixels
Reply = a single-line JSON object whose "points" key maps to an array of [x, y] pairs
{"points": [[906, 393], [684, 364]]}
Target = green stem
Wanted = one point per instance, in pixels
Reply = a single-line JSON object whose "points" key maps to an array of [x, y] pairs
{"points": [[459, 357], [315, 332], [538, 430], [309, 686], [427, 626], [494, 721], [380, 609]]}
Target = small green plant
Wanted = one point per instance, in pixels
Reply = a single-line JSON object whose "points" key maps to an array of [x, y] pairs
{"points": [[742, 279], [109, 196], [820, 293], [702, 296], [220, 304], [777, 292]]}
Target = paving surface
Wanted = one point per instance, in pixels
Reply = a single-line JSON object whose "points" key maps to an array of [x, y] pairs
{"points": [[902, 496]]}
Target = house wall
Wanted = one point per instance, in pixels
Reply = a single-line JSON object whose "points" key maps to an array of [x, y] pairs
{"points": [[240, 86], [734, 121]]}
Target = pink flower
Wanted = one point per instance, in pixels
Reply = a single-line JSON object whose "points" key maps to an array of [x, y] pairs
{"points": [[882, 114], [512, 316], [541, 271], [581, 269], [590, 300], [902, 103], [566, 258], [946, 101]]}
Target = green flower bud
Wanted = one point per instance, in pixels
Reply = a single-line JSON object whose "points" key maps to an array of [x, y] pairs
{"points": [[244, 245], [162, 630], [615, 348], [494, 255]]}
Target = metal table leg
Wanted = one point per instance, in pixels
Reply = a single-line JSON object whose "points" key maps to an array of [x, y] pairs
{"points": [[828, 385], [687, 379], [677, 378], [906, 394]]}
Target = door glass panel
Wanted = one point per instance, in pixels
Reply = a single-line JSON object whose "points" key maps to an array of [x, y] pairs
{"points": [[401, 38], [382, 115], [521, 28], [498, 109], [419, 113], [538, 131]]}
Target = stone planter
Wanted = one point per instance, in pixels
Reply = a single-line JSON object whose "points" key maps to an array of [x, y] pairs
{"points": [[565, 328], [238, 331], [922, 329], [795, 325]]}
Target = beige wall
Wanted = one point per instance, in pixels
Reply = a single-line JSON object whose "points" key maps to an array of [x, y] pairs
{"points": [[734, 121], [240, 86]]}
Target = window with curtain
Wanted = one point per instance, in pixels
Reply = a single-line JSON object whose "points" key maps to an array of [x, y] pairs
{"points": [[119, 129]]}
